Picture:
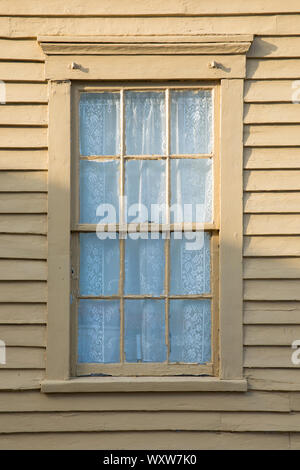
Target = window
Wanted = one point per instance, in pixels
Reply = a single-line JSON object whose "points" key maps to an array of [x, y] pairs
{"points": [[144, 289], [144, 336]]}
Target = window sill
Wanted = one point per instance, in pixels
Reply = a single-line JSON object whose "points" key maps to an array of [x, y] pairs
{"points": [[143, 384]]}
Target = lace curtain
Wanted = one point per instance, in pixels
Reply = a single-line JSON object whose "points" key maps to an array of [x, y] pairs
{"points": [[144, 319], [99, 124], [144, 268], [145, 123], [191, 122], [99, 184]]}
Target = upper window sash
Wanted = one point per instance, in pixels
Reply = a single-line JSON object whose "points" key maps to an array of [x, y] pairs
{"points": [[86, 224]]}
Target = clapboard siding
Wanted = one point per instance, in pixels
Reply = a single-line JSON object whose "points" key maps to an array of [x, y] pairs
{"points": [[23, 246], [19, 291], [262, 24], [266, 91], [24, 71], [23, 181], [287, 289], [270, 268], [268, 313], [22, 137], [271, 180], [22, 379], [279, 202], [259, 113], [23, 49], [272, 224], [23, 335], [18, 314], [22, 270], [267, 416], [154, 439], [20, 26], [275, 135], [295, 401], [144, 8], [23, 114], [271, 158], [23, 159], [272, 246], [276, 46], [148, 421], [24, 358], [29, 223], [269, 357], [26, 92], [294, 441], [273, 68], [23, 203], [253, 401], [270, 379], [266, 335]]}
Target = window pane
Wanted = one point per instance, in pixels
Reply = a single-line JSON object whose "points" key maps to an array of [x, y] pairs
{"points": [[191, 122], [191, 185], [145, 123], [99, 184], [190, 331], [99, 123], [145, 331], [145, 185], [190, 267], [144, 266], [98, 331], [99, 265]]}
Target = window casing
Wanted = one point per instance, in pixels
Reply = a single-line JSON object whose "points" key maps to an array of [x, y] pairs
{"points": [[219, 58], [164, 306]]}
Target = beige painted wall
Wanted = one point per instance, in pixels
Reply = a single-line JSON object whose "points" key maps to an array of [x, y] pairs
{"points": [[268, 415]]}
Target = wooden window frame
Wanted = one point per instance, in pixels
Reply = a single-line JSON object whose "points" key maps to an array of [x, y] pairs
{"points": [[198, 58], [146, 369]]}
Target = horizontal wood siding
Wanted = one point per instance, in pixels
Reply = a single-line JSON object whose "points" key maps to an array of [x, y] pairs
{"points": [[271, 243], [154, 440], [265, 417], [144, 8]]}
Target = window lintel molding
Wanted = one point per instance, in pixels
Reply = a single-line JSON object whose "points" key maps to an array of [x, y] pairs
{"points": [[135, 57], [152, 45]]}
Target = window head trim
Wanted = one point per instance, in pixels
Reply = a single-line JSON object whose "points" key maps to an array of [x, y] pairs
{"points": [[205, 57]]}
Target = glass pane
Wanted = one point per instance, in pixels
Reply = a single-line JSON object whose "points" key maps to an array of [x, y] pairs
{"points": [[99, 265], [190, 264], [145, 185], [144, 266], [145, 122], [190, 331], [191, 190], [145, 331], [98, 331], [191, 122], [99, 123], [99, 184]]}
